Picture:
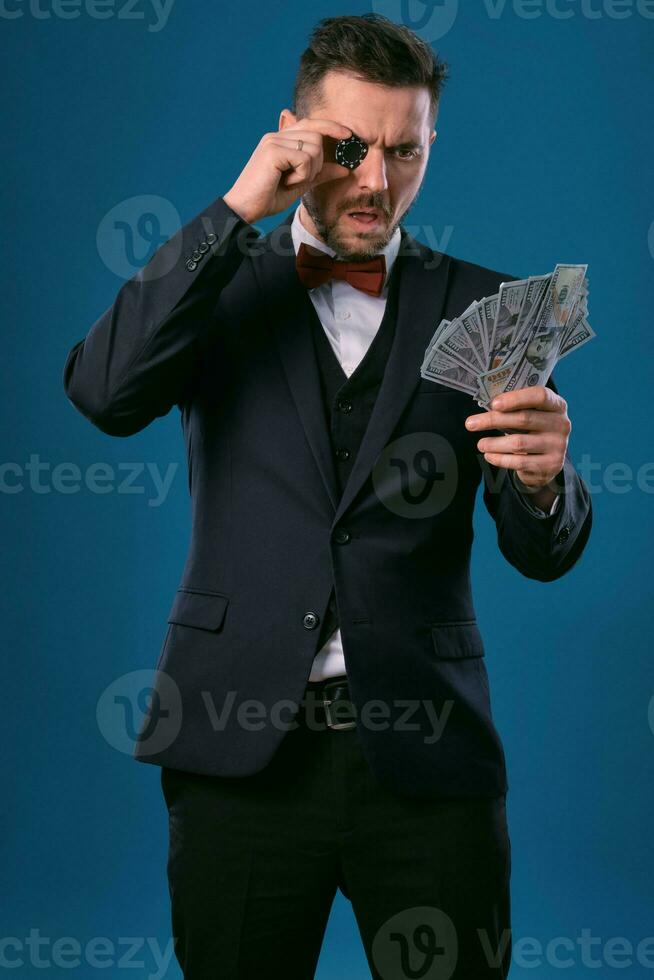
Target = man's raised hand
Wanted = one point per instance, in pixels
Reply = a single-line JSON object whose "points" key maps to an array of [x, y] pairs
{"points": [[278, 172]]}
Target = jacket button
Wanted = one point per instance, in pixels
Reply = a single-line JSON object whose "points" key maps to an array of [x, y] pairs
{"points": [[197, 255], [310, 621], [191, 265], [344, 406], [343, 453], [341, 536], [563, 535], [211, 239], [203, 247]]}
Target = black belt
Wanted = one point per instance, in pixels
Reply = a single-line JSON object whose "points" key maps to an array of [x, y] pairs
{"points": [[327, 704]]}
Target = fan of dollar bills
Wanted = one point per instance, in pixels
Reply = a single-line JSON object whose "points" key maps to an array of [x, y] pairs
{"points": [[513, 339]]}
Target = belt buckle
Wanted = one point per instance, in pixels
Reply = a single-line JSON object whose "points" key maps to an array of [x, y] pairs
{"points": [[326, 703]]}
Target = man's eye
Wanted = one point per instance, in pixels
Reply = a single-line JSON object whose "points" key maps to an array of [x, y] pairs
{"points": [[407, 150]]}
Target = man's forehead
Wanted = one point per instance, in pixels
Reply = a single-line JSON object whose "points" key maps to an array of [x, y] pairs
{"points": [[372, 111], [371, 128]]}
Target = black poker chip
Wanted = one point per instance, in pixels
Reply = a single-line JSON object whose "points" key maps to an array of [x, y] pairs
{"points": [[351, 151]]}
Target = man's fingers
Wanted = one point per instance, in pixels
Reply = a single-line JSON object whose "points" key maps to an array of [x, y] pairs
{"points": [[513, 461], [531, 419], [535, 425], [523, 443], [300, 163], [310, 151], [312, 142], [321, 139], [292, 179], [320, 171], [540, 397], [311, 173], [325, 126], [330, 171]]}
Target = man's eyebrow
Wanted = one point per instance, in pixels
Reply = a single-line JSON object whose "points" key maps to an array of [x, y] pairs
{"points": [[407, 145]]}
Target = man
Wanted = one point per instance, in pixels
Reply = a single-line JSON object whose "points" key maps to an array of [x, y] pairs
{"points": [[321, 709]]}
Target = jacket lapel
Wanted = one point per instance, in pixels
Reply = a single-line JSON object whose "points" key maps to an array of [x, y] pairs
{"points": [[421, 299], [289, 309], [423, 276]]}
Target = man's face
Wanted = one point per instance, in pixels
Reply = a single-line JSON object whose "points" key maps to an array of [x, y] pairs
{"points": [[395, 124]]}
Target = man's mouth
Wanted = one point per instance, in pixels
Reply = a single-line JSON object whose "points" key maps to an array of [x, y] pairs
{"points": [[364, 218]]}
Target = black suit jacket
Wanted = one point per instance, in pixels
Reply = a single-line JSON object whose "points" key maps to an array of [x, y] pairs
{"points": [[218, 324]]}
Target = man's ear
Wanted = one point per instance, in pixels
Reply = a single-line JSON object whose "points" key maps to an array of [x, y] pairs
{"points": [[286, 118], [432, 137]]}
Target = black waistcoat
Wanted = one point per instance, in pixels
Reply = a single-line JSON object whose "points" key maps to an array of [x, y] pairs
{"points": [[348, 403]]}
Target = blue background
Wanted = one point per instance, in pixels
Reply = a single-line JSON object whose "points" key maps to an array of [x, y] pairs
{"points": [[543, 156]]}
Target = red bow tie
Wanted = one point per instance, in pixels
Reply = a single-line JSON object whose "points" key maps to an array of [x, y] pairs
{"points": [[315, 267]]}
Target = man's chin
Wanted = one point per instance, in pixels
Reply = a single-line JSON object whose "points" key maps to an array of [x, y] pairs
{"points": [[371, 239]]}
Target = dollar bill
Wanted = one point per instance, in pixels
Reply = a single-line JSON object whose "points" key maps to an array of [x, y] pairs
{"points": [[579, 332], [534, 295], [510, 300], [544, 340], [462, 341], [443, 369], [513, 339], [487, 310], [493, 382], [440, 330]]}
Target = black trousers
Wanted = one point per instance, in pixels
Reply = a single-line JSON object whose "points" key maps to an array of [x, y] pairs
{"points": [[254, 864]]}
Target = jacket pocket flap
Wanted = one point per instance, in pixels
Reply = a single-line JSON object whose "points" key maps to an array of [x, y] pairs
{"points": [[453, 641], [204, 610]]}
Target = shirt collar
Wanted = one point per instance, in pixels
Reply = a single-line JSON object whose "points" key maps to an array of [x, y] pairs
{"points": [[300, 234]]}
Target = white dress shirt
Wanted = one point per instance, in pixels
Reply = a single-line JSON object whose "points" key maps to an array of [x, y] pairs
{"points": [[350, 318]]}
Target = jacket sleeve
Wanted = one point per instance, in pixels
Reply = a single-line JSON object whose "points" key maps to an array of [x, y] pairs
{"points": [[139, 358], [525, 495], [540, 547]]}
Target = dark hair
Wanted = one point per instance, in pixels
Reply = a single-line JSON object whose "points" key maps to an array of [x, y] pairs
{"points": [[375, 49]]}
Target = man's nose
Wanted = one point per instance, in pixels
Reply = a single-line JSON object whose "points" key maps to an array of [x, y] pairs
{"points": [[371, 172]]}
